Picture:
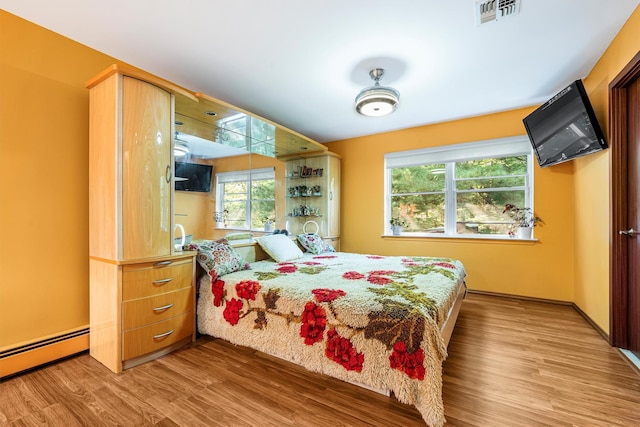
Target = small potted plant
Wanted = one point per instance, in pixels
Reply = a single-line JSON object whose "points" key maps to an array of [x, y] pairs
{"points": [[523, 218], [397, 224], [268, 224]]}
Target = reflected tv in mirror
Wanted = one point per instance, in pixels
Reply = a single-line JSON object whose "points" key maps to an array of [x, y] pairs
{"points": [[193, 177], [564, 127]]}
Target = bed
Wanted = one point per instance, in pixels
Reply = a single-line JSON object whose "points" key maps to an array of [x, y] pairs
{"points": [[381, 322]]}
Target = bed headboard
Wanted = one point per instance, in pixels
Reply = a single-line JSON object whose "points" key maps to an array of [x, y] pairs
{"points": [[250, 250]]}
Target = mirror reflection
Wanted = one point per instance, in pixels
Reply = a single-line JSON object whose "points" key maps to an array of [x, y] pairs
{"points": [[244, 157]]}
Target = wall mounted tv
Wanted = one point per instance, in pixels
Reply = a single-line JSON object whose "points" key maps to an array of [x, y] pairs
{"points": [[193, 177], [564, 127]]}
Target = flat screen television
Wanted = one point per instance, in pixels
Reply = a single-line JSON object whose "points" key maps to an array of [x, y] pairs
{"points": [[564, 127], [193, 177]]}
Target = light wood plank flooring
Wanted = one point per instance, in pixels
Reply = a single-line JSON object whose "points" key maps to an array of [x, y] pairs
{"points": [[511, 363]]}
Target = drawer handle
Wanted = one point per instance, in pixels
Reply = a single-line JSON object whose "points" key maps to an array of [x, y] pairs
{"points": [[164, 307], [155, 337], [162, 281], [162, 263]]}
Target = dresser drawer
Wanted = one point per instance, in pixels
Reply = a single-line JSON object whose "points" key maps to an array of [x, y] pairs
{"points": [[144, 311], [138, 342], [148, 279]]}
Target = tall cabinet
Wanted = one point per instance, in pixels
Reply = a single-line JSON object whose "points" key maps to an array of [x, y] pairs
{"points": [[313, 195], [142, 295]]}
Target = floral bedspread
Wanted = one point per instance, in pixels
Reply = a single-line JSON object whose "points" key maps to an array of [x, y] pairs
{"points": [[367, 319]]}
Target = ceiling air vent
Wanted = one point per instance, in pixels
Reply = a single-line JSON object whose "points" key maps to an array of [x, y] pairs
{"points": [[495, 10]]}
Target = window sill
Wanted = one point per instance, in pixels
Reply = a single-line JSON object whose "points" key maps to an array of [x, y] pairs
{"points": [[465, 237]]}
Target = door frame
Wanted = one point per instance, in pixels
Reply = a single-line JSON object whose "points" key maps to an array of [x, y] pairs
{"points": [[618, 247]]}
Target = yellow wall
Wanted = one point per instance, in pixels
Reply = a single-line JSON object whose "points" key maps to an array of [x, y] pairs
{"points": [[592, 184], [542, 270], [44, 224]]}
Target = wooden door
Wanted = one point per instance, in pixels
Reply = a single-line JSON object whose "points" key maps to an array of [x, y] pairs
{"points": [[146, 170], [625, 249], [633, 217]]}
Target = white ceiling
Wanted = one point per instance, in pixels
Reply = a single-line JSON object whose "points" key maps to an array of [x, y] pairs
{"points": [[300, 63]]}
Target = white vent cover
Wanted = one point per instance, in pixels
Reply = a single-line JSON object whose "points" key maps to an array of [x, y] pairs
{"points": [[496, 10]]}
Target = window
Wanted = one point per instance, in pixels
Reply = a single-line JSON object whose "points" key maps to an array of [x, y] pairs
{"points": [[248, 133], [459, 189], [246, 197]]}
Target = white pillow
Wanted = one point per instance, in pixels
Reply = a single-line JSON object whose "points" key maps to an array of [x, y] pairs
{"points": [[280, 247]]}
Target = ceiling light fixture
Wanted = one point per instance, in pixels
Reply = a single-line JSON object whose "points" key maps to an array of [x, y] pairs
{"points": [[180, 148], [377, 100]]}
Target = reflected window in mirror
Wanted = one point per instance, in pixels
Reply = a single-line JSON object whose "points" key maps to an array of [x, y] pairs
{"points": [[247, 196], [246, 132]]}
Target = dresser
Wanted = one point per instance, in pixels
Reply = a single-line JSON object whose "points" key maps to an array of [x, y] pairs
{"points": [[142, 295]]}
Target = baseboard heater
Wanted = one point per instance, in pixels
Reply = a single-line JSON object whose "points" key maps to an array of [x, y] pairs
{"points": [[47, 350]]}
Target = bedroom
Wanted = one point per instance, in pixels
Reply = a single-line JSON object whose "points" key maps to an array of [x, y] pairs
{"points": [[50, 68]]}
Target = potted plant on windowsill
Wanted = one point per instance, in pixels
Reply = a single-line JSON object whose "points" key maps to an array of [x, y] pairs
{"points": [[268, 224], [523, 218], [397, 224]]}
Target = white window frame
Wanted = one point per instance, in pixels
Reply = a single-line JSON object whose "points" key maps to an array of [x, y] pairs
{"points": [[449, 154], [247, 176]]}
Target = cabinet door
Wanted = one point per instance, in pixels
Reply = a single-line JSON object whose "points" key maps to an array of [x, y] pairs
{"points": [[146, 170], [333, 196]]}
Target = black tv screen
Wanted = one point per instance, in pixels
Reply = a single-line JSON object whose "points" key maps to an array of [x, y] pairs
{"points": [[193, 177], [564, 127]]}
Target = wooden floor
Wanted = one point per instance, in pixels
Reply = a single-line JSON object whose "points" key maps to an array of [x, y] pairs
{"points": [[511, 363]]}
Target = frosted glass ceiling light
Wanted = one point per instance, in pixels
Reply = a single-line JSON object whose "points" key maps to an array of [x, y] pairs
{"points": [[377, 100], [180, 148]]}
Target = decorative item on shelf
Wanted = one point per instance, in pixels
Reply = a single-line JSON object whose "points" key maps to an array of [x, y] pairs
{"points": [[397, 224], [304, 210], [307, 230], [302, 190], [316, 190], [524, 219]]}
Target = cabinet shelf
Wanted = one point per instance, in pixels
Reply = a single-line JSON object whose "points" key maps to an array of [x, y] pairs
{"points": [[313, 193]]}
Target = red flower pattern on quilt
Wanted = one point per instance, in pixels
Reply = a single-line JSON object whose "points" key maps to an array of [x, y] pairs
{"points": [[375, 257], [324, 256], [409, 363], [217, 289], [382, 272], [445, 265], [247, 289], [379, 280], [353, 275], [231, 312], [314, 321], [341, 350], [328, 295], [286, 268]]}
